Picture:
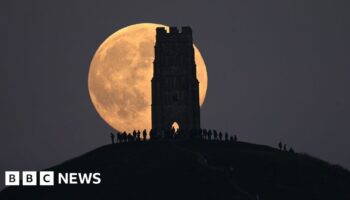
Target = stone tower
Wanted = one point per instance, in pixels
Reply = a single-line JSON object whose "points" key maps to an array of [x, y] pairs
{"points": [[175, 88]]}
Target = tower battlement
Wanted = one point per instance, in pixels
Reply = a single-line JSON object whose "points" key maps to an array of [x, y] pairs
{"points": [[174, 34]]}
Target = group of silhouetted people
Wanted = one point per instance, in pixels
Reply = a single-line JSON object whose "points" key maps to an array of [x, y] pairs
{"points": [[283, 147], [214, 135], [203, 134], [128, 137]]}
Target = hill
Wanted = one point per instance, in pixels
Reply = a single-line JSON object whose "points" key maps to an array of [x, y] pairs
{"points": [[195, 170]]}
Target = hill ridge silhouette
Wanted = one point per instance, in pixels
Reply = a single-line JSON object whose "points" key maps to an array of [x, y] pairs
{"points": [[195, 169]]}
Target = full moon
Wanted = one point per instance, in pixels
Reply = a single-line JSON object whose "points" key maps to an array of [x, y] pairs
{"points": [[120, 76]]}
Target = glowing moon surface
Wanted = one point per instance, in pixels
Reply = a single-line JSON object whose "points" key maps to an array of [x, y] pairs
{"points": [[120, 77]]}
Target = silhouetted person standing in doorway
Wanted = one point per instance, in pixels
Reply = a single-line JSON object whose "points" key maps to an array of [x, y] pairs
{"points": [[112, 138]]}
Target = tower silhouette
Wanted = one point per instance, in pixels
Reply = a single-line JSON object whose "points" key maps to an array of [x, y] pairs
{"points": [[175, 88]]}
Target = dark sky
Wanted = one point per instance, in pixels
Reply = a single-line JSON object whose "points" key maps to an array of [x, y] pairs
{"points": [[278, 70]]}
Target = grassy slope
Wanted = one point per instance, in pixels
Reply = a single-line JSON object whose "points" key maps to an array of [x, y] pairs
{"points": [[178, 170]]}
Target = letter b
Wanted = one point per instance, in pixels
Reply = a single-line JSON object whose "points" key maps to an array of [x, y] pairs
{"points": [[29, 177], [11, 178]]}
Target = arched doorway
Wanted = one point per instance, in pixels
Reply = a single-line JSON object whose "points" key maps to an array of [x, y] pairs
{"points": [[175, 127]]}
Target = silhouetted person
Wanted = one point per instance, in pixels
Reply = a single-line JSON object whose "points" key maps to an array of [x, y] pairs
{"points": [[151, 134], [280, 146], [220, 135], [284, 147], [112, 138], [130, 137], [235, 138], [124, 136], [205, 134], [144, 134], [134, 134], [199, 133], [172, 133], [209, 134], [119, 137], [226, 136], [215, 135], [231, 138], [138, 135], [291, 150]]}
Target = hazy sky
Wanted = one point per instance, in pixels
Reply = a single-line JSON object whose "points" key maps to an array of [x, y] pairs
{"points": [[277, 70]]}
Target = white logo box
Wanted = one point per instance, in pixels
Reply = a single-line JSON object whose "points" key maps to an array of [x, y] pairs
{"points": [[29, 178]]}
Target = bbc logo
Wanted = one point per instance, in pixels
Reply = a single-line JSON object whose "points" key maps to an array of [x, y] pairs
{"points": [[29, 178]]}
